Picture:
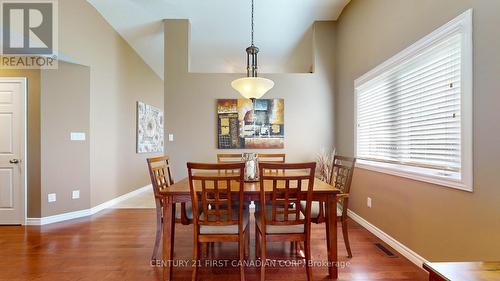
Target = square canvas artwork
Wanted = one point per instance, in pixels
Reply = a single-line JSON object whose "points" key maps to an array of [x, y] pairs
{"points": [[244, 124], [149, 128]]}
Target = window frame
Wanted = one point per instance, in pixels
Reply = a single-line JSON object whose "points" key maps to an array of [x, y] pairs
{"points": [[463, 179]]}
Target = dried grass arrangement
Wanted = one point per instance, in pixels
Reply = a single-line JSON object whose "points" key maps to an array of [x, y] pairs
{"points": [[324, 162]]}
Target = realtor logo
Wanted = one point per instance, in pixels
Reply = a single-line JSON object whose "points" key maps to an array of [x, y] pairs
{"points": [[29, 34]]}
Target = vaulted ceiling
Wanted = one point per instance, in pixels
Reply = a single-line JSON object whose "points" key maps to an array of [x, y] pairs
{"points": [[220, 30]]}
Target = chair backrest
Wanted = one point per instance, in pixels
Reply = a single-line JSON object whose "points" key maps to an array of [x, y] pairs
{"points": [[229, 157], [212, 193], [225, 158], [160, 172], [272, 158], [289, 188], [342, 170]]}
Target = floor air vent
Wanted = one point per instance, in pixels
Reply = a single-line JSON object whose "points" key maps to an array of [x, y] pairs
{"points": [[386, 251]]}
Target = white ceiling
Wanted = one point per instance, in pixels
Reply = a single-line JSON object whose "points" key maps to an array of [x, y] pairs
{"points": [[220, 30]]}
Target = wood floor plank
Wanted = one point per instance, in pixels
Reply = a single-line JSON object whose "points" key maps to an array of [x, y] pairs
{"points": [[116, 245]]}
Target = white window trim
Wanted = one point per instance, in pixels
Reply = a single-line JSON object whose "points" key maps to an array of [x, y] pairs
{"points": [[462, 180]]}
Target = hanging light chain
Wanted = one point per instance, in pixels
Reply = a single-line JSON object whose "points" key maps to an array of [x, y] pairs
{"points": [[252, 21], [252, 51]]}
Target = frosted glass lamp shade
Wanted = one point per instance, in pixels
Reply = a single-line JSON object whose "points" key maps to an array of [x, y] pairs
{"points": [[252, 87]]}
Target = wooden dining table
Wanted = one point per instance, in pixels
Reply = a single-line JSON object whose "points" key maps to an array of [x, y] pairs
{"points": [[179, 192]]}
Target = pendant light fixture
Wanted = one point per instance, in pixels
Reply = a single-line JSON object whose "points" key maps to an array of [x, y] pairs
{"points": [[252, 86]]}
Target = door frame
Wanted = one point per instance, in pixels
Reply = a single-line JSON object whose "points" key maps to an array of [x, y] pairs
{"points": [[24, 147]]}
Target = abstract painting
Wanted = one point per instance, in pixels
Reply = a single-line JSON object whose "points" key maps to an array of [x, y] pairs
{"points": [[149, 128], [247, 124]]}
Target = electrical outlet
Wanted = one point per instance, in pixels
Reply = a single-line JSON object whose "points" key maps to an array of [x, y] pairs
{"points": [[51, 197], [369, 202], [170, 137], [75, 194]]}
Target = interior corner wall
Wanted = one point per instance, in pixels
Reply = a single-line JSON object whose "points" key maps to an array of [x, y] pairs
{"points": [[190, 101], [438, 223], [33, 137], [118, 79]]}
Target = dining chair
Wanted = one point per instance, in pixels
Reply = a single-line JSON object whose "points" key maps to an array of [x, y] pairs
{"points": [[283, 219], [225, 158], [271, 157], [341, 178], [212, 194], [160, 172]]}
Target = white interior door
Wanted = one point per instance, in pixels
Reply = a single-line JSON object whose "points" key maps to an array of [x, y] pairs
{"points": [[12, 150]]}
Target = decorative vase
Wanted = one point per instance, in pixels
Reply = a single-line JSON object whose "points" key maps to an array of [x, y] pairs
{"points": [[251, 166]]}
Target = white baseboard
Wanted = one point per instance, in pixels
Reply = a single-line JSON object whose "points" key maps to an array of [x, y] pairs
{"points": [[119, 199], [86, 212], [395, 244], [58, 218]]}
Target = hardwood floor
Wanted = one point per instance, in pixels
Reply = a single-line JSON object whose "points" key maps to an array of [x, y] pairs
{"points": [[116, 245]]}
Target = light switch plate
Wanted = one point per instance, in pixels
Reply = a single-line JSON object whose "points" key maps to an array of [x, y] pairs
{"points": [[369, 202], [77, 136], [75, 194], [170, 137], [51, 197]]}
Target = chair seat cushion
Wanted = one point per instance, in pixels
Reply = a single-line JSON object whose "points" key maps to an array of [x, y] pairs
{"points": [[189, 211], [278, 229], [315, 208], [223, 229]]}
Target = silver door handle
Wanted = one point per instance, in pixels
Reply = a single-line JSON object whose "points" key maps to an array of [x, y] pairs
{"points": [[14, 161]]}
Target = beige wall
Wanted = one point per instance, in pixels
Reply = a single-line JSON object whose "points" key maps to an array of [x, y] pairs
{"points": [[118, 79], [33, 136], [436, 222], [190, 101], [65, 164]]}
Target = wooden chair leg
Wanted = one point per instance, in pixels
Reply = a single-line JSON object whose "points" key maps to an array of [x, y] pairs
{"points": [[196, 258], [263, 257], [247, 242], [172, 247], [256, 242], [307, 250], [241, 246], [158, 234], [345, 234], [327, 224], [204, 247]]}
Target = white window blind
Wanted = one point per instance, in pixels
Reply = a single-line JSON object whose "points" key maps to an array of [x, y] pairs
{"points": [[412, 114], [409, 110]]}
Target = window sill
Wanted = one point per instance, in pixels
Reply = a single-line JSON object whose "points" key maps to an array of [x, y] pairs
{"points": [[442, 178]]}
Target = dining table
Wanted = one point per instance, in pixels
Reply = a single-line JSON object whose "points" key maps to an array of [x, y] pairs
{"points": [[179, 192]]}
